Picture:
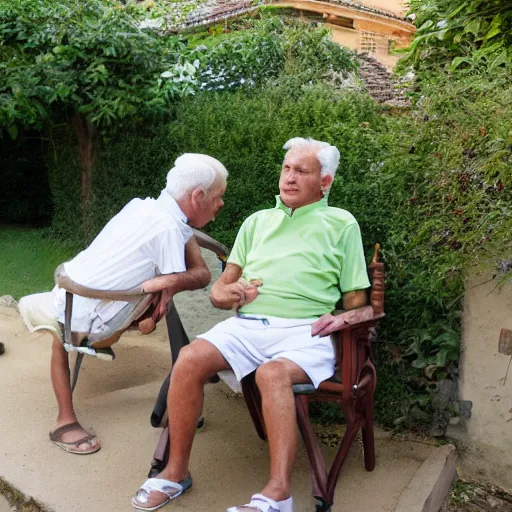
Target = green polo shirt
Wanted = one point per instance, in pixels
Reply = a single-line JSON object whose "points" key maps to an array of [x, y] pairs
{"points": [[306, 257]]}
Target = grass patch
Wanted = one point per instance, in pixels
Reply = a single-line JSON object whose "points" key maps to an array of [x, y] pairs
{"points": [[29, 259], [18, 500]]}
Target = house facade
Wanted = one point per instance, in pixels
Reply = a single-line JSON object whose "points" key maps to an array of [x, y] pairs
{"points": [[375, 27]]}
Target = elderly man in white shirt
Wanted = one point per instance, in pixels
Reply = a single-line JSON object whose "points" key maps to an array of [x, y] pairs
{"points": [[149, 243]]}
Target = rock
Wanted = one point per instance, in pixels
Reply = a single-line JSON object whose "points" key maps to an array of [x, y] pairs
{"points": [[8, 302], [2, 348], [495, 503]]}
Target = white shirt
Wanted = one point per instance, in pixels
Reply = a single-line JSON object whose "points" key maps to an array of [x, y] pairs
{"points": [[145, 239]]}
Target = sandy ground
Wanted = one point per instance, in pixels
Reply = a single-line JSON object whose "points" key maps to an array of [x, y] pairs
{"points": [[229, 461]]}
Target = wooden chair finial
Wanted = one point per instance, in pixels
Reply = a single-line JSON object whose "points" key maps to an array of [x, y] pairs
{"points": [[378, 282], [375, 258]]}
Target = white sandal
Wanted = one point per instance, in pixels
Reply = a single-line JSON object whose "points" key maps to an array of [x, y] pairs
{"points": [[171, 489], [260, 503]]}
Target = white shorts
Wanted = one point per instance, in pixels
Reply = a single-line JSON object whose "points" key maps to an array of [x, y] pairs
{"points": [[246, 344], [40, 314]]}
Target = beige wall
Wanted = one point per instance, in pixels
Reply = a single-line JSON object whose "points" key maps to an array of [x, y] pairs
{"points": [[344, 36], [487, 435]]}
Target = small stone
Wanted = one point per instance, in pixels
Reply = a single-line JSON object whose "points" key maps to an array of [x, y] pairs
{"points": [[465, 407], [8, 302], [495, 502], [505, 342]]}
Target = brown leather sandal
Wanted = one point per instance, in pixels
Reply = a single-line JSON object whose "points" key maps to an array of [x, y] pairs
{"points": [[72, 447]]}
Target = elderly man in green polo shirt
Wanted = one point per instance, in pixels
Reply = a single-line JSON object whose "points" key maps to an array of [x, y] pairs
{"points": [[288, 268]]}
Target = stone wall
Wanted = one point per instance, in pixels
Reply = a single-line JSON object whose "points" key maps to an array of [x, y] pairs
{"points": [[486, 380]]}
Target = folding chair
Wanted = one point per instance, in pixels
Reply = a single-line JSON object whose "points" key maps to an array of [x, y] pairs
{"points": [[80, 343], [352, 388]]}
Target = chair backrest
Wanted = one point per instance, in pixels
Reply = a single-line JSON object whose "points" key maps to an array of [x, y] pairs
{"points": [[378, 278]]}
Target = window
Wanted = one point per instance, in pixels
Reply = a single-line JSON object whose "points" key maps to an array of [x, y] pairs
{"points": [[368, 42], [372, 42]]}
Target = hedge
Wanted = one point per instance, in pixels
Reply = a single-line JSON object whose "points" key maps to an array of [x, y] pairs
{"points": [[427, 184]]}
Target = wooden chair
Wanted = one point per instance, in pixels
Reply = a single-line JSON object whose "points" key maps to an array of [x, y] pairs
{"points": [[352, 388]]}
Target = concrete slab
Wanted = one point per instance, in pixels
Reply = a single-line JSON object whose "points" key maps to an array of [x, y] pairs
{"points": [[229, 462], [427, 490]]}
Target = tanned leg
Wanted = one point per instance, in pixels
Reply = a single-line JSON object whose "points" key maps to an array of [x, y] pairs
{"points": [[196, 363], [62, 389], [275, 380]]}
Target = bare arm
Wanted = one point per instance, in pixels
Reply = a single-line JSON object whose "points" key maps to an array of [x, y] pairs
{"points": [[227, 292], [354, 300], [196, 276]]}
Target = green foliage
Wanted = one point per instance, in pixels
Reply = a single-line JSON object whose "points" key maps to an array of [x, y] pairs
{"points": [[86, 56], [449, 214], [461, 34], [113, 64], [252, 50]]}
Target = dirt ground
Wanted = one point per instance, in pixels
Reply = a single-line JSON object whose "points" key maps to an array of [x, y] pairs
{"points": [[477, 497]]}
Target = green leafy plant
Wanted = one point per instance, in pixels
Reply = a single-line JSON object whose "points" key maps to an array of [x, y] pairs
{"points": [[461, 34], [91, 61]]}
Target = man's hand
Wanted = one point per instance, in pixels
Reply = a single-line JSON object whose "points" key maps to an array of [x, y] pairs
{"points": [[354, 302], [327, 324], [227, 296], [164, 302], [250, 291], [231, 290]]}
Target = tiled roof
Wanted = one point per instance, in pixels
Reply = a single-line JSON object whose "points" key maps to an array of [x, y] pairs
{"points": [[213, 11]]}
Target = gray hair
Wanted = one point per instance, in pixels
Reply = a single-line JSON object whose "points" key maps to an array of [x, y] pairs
{"points": [[328, 156], [193, 170]]}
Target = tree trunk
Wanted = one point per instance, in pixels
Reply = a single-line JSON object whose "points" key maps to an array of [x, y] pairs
{"points": [[86, 136]]}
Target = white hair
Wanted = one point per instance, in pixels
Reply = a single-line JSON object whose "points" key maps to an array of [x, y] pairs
{"points": [[193, 170], [328, 156]]}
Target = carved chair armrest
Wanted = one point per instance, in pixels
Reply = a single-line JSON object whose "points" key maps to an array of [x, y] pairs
{"points": [[354, 350]]}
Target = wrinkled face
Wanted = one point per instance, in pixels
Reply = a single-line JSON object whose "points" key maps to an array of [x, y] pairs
{"points": [[300, 182], [205, 206]]}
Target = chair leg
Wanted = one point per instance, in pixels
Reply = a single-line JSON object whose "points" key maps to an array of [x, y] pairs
{"points": [[76, 370], [161, 455], [368, 435], [160, 407], [316, 458], [253, 401], [339, 459]]}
